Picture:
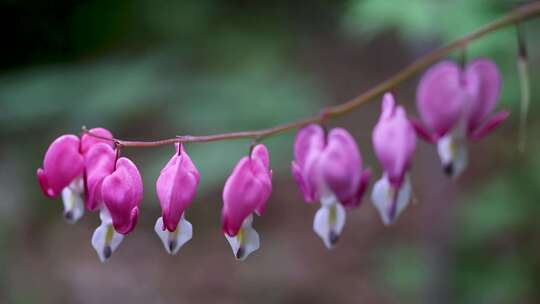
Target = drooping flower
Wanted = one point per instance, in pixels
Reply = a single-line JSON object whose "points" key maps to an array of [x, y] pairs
{"points": [[176, 188], [455, 106], [246, 192], [62, 173], [65, 171], [100, 160], [394, 141], [121, 193], [328, 168]]}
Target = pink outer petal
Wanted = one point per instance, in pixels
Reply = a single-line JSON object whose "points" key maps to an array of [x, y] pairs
{"points": [[484, 84], [308, 145], [490, 125], [246, 191], [61, 165], [99, 163], [122, 194], [261, 153], [260, 166], [298, 177], [88, 141], [176, 188], [394, 140], [309, 140], [440, 97], [340, 165], [422, 131], [354, 201], [43, 184]]}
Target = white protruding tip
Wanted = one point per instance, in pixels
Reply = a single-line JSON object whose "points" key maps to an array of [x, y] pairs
{"points": [[245, 241], [452, 151], [105, 239], [72, 198], [173, 241], [329, 222], [389, 204]]}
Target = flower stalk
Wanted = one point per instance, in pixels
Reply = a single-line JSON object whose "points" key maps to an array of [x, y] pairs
{"points": [[524, 81]]}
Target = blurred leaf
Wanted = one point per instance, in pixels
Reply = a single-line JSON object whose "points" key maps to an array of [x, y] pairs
{"points": [[405, 271]]}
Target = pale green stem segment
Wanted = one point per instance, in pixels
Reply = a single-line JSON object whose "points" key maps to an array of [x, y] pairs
{"points": [[525, 87]]}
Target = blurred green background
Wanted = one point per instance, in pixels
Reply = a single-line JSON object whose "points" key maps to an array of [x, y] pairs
{"points": [[153, 69]]}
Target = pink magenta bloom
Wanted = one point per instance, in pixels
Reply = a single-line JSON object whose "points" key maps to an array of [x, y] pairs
{"points": [[122, 192], [455, 106], [62, 164], [62, 173], [176, 188], [246, 192], [394, 141], [328, 168]]}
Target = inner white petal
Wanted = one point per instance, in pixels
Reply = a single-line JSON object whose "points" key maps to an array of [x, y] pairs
{"points": [[105, 239], [73, 204], [329, 222], [173, 241], [245, 241], [390, 202], [452, 149], [382, 198], [403, 196], [77, 185]]}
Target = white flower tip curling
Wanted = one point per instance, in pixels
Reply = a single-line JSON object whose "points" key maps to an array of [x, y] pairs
{"points": [[245, 242], [390, 204], [452, 151], [329, 222], [173, 241], [73, 205], [105, 239]]}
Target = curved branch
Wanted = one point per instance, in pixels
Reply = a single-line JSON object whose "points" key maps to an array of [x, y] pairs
{"points": [[516, 16]]}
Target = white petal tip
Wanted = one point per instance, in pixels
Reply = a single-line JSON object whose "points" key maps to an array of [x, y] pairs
{"points": [[105, 240], [173, 241], [244, 243], [328, 223], [72, 217], [452, 151], [73, 205], [389, 204]]}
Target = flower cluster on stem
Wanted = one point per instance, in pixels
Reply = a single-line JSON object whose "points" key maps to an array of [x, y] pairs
{"points": [[455, 104]]}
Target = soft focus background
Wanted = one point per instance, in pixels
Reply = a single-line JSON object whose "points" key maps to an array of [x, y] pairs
{"points": [[149, 69]]}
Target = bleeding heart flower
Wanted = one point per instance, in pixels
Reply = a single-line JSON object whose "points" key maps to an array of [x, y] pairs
{"points": [[176, 188], [455, 106], [121, 192], [62, 173], [328, 168], [246, 192], [394, 141]]}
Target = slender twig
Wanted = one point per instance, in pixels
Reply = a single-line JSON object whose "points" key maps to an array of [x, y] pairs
{"points": [[518, 15]]}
